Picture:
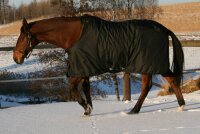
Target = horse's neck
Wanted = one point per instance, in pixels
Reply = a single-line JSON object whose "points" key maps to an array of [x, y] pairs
{"points": [[62, 35]]}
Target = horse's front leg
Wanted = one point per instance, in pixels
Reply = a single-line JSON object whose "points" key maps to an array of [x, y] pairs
{"points": [[86, 90], [72, 85]]}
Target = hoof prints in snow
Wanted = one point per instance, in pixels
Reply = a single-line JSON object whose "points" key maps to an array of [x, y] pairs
{"points": [[94, 125]]}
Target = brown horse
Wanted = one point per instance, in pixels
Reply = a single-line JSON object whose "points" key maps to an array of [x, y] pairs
{"points": [[64, 32]]}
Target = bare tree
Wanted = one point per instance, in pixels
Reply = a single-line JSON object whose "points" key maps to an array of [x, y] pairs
{"points": [[0, 10], [126, 87], [130, 6], [58, 61], [65, 7], [4, 8], [114, 9], [116, 86], [147, 9]]}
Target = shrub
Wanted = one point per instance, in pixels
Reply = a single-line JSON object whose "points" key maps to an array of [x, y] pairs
{"points": [[58, 88], [191, 86], [188, 87]]}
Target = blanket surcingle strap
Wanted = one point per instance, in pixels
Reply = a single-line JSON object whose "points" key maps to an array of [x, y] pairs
{"points": [[133, 46]]}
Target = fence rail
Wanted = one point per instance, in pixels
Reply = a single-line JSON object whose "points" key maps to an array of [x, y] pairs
{"points": [[33, 79], [64, 77]]}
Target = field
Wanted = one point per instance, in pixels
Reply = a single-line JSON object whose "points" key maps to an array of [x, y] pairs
{"points": [[14, 28], [181, 17]]}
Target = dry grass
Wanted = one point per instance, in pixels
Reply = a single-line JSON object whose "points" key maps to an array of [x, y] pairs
{"points": [[11, 29], [181, 17], [167, 89], [14, 28], [191, 86], [188, 87]]}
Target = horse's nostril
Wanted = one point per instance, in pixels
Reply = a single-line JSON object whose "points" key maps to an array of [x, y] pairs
{"points": [[21, 61]]}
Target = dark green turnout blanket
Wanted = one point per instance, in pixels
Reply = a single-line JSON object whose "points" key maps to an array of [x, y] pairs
{"points": [[133, 46]]}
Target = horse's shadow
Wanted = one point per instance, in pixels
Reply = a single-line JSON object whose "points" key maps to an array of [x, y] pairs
{"points": [[188, 107], [196, 106]]}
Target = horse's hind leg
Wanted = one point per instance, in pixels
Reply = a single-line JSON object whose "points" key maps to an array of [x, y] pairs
{"points": [[86, 90], [146, 86], [72, 85], [174, 84]]}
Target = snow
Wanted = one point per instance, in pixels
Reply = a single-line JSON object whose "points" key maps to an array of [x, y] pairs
{"points": [[189, 36], [8, 41], [192, 55], [30, 65], [158, 115]]}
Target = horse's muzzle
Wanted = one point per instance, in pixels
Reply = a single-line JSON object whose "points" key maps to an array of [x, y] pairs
{"points": [[18, 60]]}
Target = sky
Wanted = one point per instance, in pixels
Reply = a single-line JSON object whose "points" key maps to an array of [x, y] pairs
{"points": [[161, 2], [18, 2]]}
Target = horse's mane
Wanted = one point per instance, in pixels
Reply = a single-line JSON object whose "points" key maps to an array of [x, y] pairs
{"points": [[51, 20], [62, 18]]}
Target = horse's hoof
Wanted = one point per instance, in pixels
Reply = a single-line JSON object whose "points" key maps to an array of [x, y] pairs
{"points": [[85, 115], [133, 112], [88, 110], [180, 109]]}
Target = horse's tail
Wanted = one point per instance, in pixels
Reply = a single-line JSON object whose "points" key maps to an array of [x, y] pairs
{"points": [[178, 57]]}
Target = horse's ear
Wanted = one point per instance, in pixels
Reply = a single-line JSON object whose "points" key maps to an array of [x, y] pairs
{"points": [[25, 24]]}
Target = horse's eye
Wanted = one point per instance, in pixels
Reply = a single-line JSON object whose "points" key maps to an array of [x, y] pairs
{"points": [[22, 38]]}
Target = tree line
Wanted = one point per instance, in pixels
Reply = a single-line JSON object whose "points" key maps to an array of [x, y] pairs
{"points": [[10, 13], [107, 9]]}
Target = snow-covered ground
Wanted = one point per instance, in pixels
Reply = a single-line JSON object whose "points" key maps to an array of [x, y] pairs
{"points": [[189, 36], [8, 41], [158, 115], [30, 65]]}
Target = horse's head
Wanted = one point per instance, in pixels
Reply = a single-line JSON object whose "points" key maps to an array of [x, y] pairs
{"points": [[25, 43]]}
